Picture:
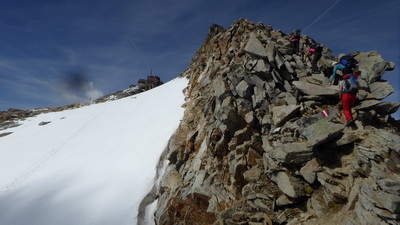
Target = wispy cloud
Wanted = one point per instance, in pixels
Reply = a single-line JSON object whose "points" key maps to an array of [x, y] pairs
{"points": [[320, 16]]}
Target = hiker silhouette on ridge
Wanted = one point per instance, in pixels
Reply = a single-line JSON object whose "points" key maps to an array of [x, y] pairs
{"points": [[295, 40], [316, 50]]}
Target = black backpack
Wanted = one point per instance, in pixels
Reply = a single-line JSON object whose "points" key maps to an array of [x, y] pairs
{"points": [[348, 61]]}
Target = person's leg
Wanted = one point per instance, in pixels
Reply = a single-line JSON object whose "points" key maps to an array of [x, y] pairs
{"points": [[295, 45], [317, 56], [346, 105]]}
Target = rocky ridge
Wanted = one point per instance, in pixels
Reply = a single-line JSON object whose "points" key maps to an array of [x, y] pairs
{"points": [[254, 148]]}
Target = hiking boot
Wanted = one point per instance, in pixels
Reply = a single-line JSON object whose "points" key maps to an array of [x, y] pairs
{"points": [[350, 123]]}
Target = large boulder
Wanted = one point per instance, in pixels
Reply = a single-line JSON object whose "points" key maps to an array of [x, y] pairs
{"points": [[372, 66], [321, 132], [254, 47], [381, 90], [289, 185], [291, 153], [281, 114], [313, 89]]}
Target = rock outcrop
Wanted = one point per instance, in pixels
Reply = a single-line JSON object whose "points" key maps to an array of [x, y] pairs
{"points": [[254, 148]]}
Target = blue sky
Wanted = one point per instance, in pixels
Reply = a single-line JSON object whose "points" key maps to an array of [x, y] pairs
{"points": [[108, 45]]}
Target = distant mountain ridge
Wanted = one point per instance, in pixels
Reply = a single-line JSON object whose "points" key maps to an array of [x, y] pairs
{"points": [[254, 147]]}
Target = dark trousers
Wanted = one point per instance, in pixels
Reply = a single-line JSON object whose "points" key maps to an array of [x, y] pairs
{"points": [[317, 56], [295, 46]]}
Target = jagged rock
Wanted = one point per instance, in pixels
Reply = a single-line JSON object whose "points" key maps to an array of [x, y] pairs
{"points": [[252, 174], [5, 134], [372, 66], [261, 67], [244, 90], [335, 188], [281, 114], [255, 47], [381, 89], [171, 179], [347, 138], [256, 81], [386, 108], [44, 123], [283, 200], [390, 185], [321, 132], [376, 139], [316, 90], [366, 105], [261, 204], [375, 200], [318, 79], [299, 62], [309, 171], [289, 185], [270, 48], [260, 217], [291, 153], [284, 98], [254, 115]]}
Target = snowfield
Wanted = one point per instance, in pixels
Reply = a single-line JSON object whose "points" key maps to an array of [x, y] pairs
{"points": [[91, 165]]}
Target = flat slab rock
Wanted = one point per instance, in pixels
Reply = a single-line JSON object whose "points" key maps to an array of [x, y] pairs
{"points": [[313, 89], [321, 132]]}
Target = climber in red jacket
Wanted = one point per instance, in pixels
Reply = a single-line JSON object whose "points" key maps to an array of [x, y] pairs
{"points": [[348, 94]]}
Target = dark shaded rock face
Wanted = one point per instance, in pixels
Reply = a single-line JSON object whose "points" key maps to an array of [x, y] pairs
{"points": [[254, 148]]}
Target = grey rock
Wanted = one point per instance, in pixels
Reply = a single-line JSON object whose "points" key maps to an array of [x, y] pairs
{"points": [[291, 153], [259, 96], [387, 108], [282, 114], [366, 105], [252, 174], [244, 106], [289, 185], [171, 179], [336, 190], [347, 138], [280, 61], [379, 199], [321, 132], [309, 171], [257, 81], [306, 121], [261, 66], [254, 47], [299, 62], [312, 89], [284, 98], [372, 66], [381, 89], [390, 185], [261, 204], [244, 90], [270, 48], [283, 200]]}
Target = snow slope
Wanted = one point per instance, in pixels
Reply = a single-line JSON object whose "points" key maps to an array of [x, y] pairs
{"points": [[91, 165]]}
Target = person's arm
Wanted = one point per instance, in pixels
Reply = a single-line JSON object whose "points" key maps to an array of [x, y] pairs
{"points": [[332, 78]]}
